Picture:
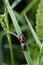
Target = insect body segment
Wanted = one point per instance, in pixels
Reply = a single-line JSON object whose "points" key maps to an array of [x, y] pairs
{"points": [[22, 42]]}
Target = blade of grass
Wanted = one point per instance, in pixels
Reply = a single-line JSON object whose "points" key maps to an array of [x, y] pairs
{"points": [[36, 39], [12, 15], [28, 58], [19, 18], [5, 27], [9, 46], [40, 54], [11, 34], [15, 3], [33, 32], [29, 6], [18, 30], [8, 37], [5, 33]]}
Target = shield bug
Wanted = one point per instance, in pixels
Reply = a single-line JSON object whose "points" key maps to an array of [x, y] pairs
{"points": [[22, 41]]}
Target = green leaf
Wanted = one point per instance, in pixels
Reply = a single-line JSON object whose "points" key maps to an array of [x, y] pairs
{"points": [[39, 21]]}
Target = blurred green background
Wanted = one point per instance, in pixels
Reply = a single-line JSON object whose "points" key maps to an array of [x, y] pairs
{"points": [[20, 6]]}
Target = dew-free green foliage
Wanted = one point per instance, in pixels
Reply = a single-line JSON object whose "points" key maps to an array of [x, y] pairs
{"points": [[37, 41], [39, 29], [13, 25], [18, 31], [39, 20], [5, 25]]}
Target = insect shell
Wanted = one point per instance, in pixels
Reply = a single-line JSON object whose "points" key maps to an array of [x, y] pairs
{"points": [[23, 46], [22, 42]]}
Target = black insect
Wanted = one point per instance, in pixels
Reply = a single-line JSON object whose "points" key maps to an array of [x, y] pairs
{"points": [[22, 41]]}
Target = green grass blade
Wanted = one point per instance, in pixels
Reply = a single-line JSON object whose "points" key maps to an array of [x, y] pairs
{"points": [[28, 58], [10, 45], [8, 37], [29, 6], [19, 18], [15, 3], [12, 15], [6, 29], [11, 34], [33, 32]]}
